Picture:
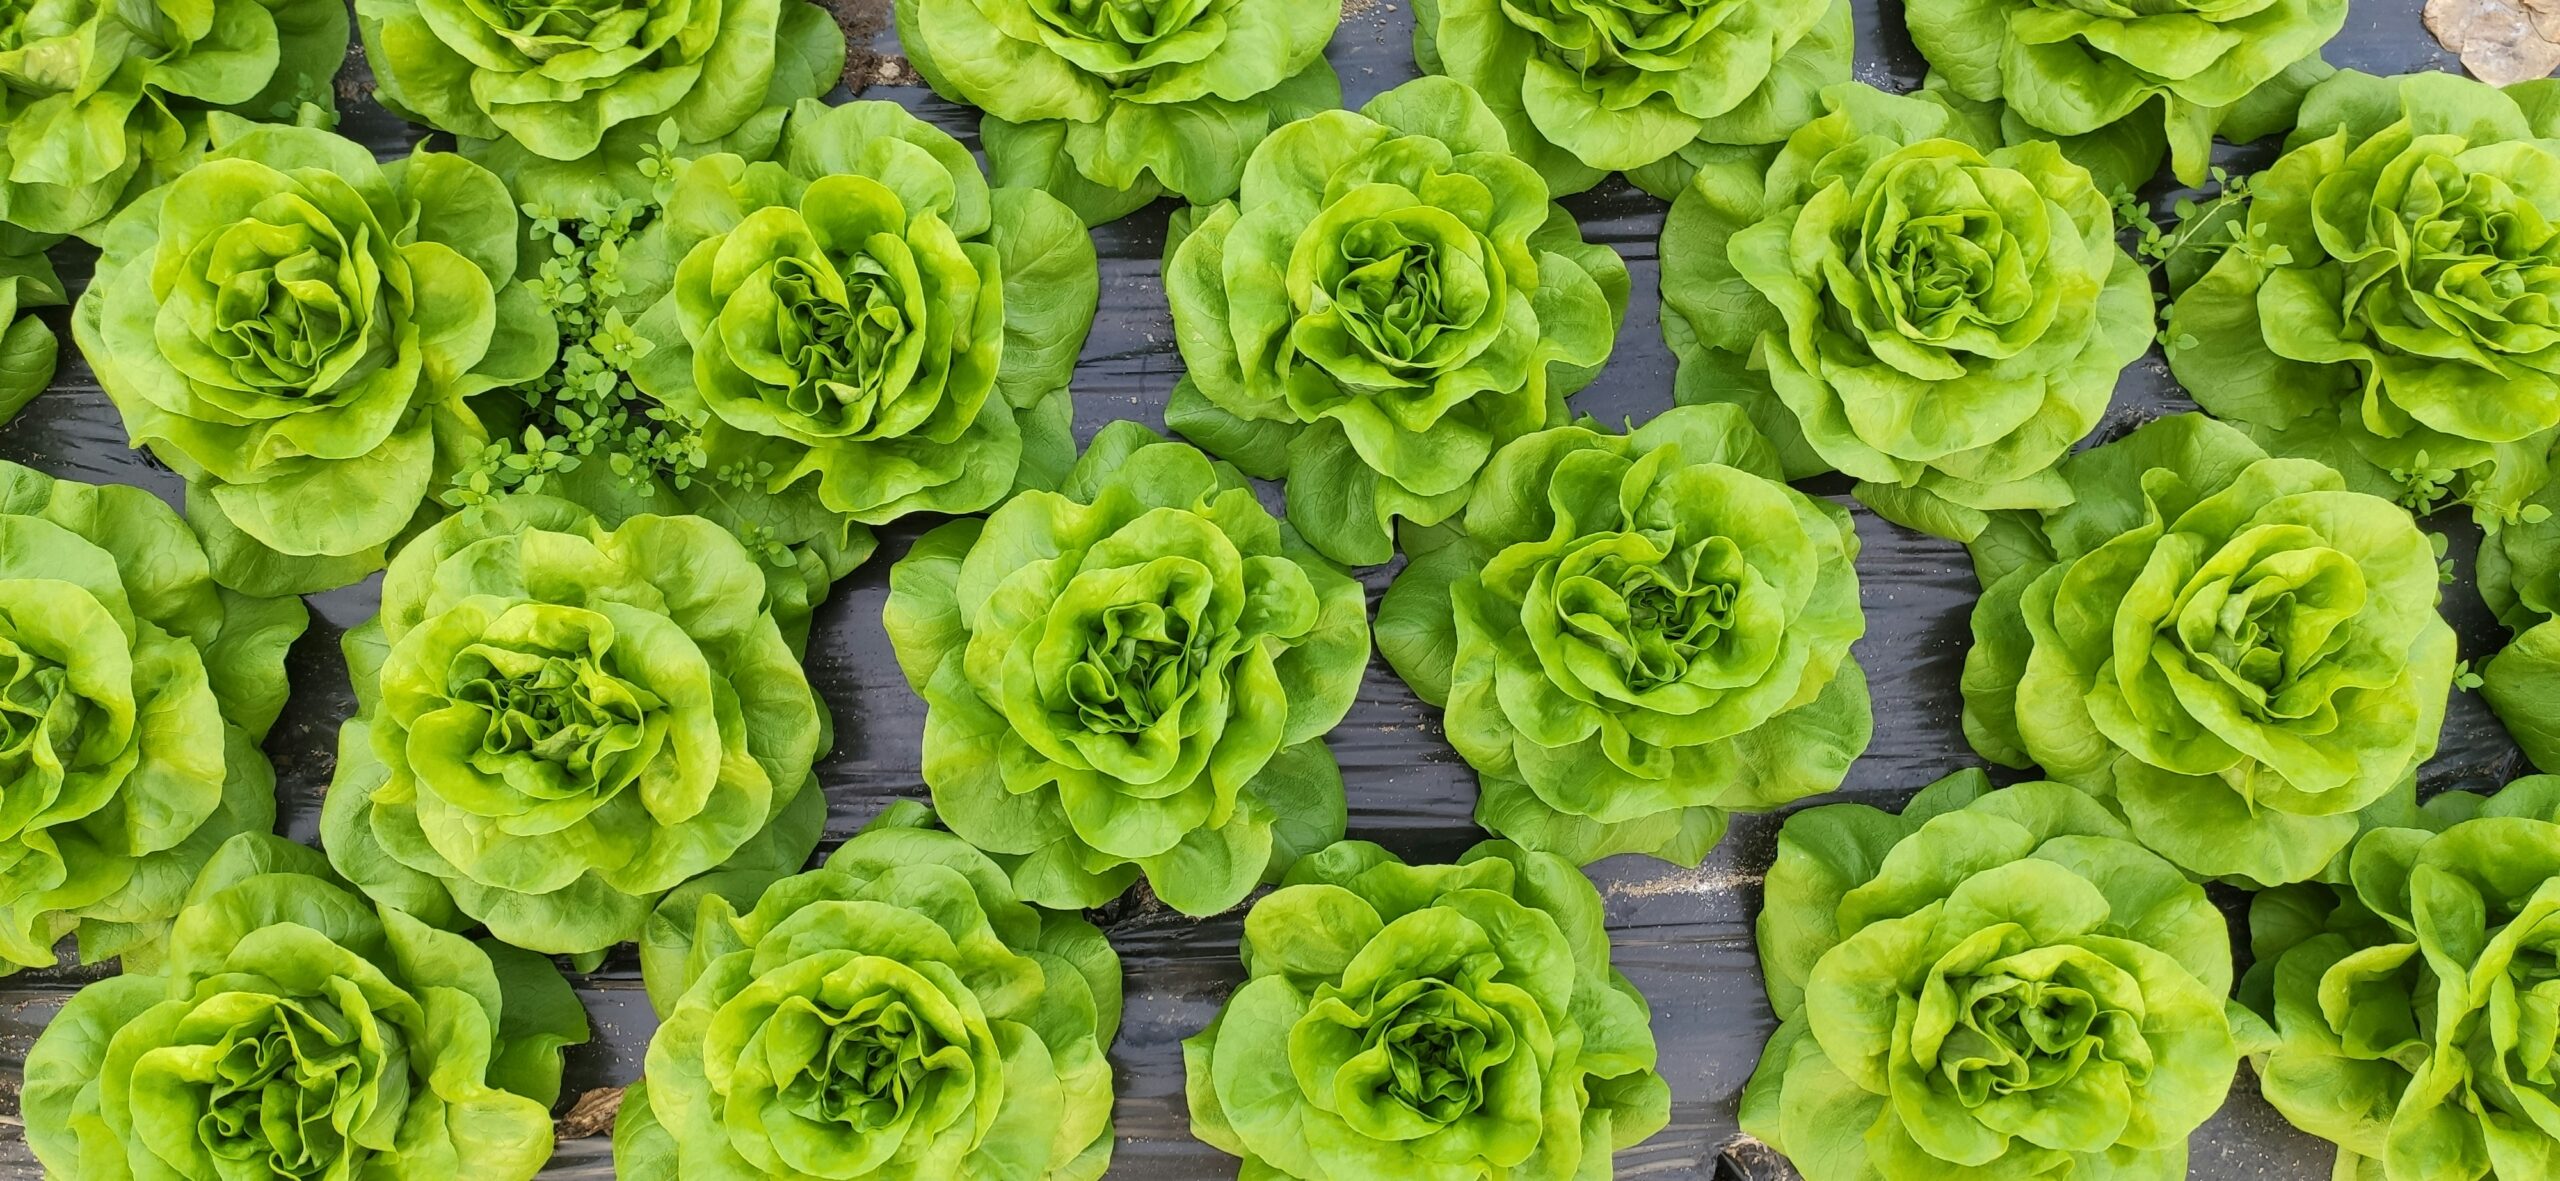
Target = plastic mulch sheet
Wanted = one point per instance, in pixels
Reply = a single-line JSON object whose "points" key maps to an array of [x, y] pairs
{"points": [[1684, 937]]}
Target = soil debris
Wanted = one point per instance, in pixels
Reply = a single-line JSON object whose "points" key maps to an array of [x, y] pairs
{"points": [[592, 1115], [864, 67]]}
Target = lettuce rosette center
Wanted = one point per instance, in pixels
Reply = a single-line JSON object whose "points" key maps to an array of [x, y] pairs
{"points": [[1440, 1048], [1146, 708], [284, 1086], [850, 1061], [1121, 40], [1395, 297], [292, 305], [541, 30], [544, 707], [848, 318]]}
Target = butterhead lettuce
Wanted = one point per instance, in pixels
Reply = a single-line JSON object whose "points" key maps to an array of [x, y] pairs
{"points": [[2165, 73], [105, 101], [1991, 984], [298, 330], [866, 326], [298, 1030], [2391, 302], [1591, 87], [133, 696], [1110, 105], [2240, 654], [1902, 298], [1131, 675], [531, 85], [896, 1014], [2407, 999], [557, 722], [1390, 298], [1634, 635], [1434, 1022]]}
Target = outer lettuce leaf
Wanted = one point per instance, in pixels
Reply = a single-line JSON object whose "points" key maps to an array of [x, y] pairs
{"points": [[896, 1013], [27, 344], [2388, 303], [1992, 984], [1635, 634], [2520, 579], [298, 331], [1435, 1022], [1131, 676], [299, 1030], [1391, 298], [1902, 298], [133, 696], [1108, 106], [2405, 999], [2237, 653], [558, 722]]}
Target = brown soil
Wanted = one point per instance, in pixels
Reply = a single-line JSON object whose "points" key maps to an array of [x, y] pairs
{"points": [[864, 67]]}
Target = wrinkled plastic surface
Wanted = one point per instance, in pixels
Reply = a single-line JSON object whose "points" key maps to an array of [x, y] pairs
{"points": [[1684, 937]]}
